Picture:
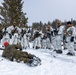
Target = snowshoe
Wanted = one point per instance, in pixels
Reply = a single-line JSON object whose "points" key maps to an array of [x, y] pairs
{"points": [[34, 62]]}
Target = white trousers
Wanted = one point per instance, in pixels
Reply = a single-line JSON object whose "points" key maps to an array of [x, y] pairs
{"points": [[37, 42], [70, 45]]}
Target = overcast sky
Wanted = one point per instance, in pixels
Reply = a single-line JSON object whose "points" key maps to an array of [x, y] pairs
{"points": [[49, 10]]}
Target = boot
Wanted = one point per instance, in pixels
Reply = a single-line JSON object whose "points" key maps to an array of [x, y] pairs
{"points": [[71, 54]]}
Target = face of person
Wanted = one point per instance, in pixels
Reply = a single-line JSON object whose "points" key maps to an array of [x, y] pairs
{"points": [[14, 24], [48, 27], [69, 25], [59, 23]]}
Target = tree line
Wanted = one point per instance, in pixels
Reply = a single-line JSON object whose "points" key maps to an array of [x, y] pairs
{"points": [[43, 26]]}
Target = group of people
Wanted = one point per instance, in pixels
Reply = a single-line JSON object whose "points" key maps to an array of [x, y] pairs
{"points": [[62, 37], [15, 35]]}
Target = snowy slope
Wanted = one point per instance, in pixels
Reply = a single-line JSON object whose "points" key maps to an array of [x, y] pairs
{"points": [[61, 65]]}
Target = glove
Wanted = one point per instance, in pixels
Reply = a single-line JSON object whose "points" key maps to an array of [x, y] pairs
{"points": [[55, 32], [72, 39]]}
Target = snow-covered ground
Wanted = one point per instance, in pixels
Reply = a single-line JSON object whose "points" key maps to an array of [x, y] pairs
{"points": [[61, 65]]}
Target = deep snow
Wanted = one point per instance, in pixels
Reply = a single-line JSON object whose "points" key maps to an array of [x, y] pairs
{"points": [[61, 65]]}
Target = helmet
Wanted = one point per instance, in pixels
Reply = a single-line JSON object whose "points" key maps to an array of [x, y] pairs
{"points": [[6, 44]]}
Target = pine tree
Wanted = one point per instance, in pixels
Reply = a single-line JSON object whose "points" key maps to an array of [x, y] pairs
{"points": [[11, 11]]}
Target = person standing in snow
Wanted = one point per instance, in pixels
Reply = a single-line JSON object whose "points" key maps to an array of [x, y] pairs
{"points": [[70, 35], [48, 32], [13, 27], [6, 38], [24, 40], [49, 37], [46, 42], [29, 35], [59, 36], [15, 37], [37, 40]]}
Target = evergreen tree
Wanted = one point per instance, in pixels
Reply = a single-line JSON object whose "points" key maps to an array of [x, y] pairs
{"points": [[54, 24], [11, 11]]}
